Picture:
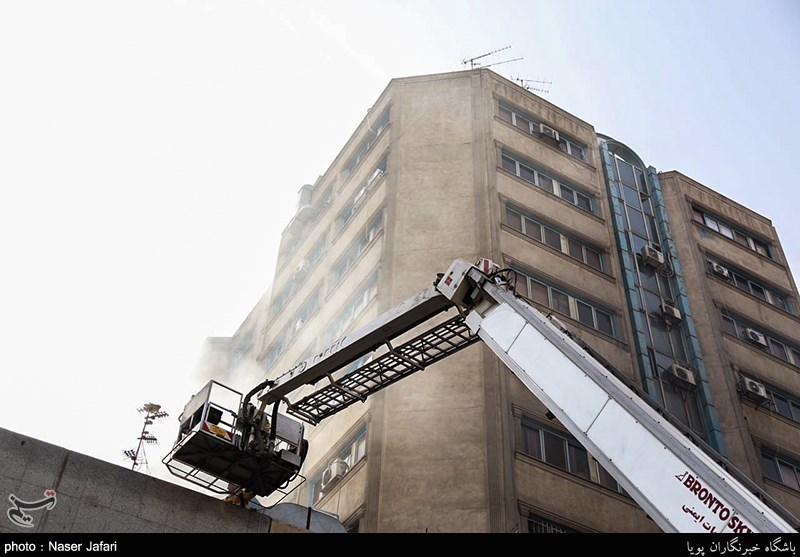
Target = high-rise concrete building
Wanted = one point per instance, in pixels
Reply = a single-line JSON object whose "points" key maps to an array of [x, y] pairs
{"points": [[683, 290]]}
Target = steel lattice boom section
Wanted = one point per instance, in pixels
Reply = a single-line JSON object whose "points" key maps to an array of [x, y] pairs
{"points": [[399, 362]]}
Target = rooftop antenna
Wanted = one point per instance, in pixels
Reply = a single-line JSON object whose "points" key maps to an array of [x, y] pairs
{"points": [[527, 84], [473, 61], [151, 413]]}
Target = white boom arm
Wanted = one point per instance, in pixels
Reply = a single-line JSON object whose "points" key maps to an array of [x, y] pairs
{"points": [[679, 486], [682, 488]]}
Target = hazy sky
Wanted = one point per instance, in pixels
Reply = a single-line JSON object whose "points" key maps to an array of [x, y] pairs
{"points": [[151, 153]]}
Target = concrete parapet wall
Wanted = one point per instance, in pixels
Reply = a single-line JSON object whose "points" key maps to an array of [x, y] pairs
{"points": [[93, 496]]}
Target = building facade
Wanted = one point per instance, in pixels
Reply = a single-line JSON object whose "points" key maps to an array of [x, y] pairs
{"points": [[684, 291]]}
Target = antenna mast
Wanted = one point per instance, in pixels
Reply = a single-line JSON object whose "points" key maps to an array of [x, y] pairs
{"points": [[473, 61], [527, 84], [151, 413]]}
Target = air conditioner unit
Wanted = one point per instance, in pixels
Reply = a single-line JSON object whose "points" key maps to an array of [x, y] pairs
{"points": [[670, 312], [721, 271], [685, 374], [752, 389], [755, 337], [651, 256], [547, 131], [333, 473]]}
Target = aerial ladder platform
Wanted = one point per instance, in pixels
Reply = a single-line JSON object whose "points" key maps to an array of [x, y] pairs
{"points": [[681, 483]]}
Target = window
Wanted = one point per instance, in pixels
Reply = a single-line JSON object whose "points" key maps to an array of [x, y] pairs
{"points": [[539, 525], [729, 326], [637, 206], [576, 198], [780, 468], [740, 238], [531, 441], [242, 346], [529, 125], [778, 349], [552, 238], [563, 451], [758, 292], [358, 199], [509, 164], [352, 452], [528, 172], [564, 303], [303, 269], [786, 405], [558, 449], [662, 344], [701, 217], [583, 201], [593, 258], [572, 148], [351, 309], [282, 297], [293, 326], [315, 254], [761, 248], [521, 221], [607, 480], [274, 352], [743, 282], [305, 312], [585, 314], [375, 129], [785, 350], [559, 301], [359, 246], [324, 199], [725, 231], [506, 114], [354, 365], [287, 248]]}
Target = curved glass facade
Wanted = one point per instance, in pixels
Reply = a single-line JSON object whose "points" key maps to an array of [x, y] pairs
{"points": [[662, 339]]}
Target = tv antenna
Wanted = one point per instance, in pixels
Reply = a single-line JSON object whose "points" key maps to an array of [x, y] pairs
{"points": [[533, 84], [151, 413], [473, 62]]}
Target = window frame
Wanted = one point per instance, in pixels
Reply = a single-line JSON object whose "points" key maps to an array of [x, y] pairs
{"points": [[564, 239], [351, 447], [572, 300], [540, 177], [712, 222], [571, 145], [358, 247], [791, 349], [790, 401], [566, 144], [359, 197], [355, 305], [365, 145], [567, 443], [777, 459], [744, 282], [540, 525]]}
